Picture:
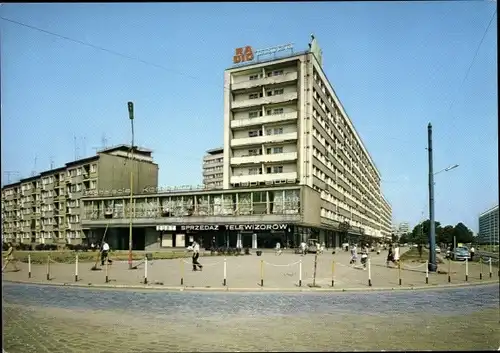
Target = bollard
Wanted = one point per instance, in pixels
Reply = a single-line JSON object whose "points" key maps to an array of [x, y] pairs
{"points": [[399, 272], [300, 273], [480, 268], [146, 270], [427, 272], [29, 265], [106, 268], [491, 272], [182, 272], [224, 283], [369, 273], [449, 270], [76, 268], [466, 270], [262, 273], [48, 268], [333, 273]]}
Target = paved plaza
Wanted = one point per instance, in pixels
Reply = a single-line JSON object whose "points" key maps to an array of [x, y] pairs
{"points": [[246, 272]]}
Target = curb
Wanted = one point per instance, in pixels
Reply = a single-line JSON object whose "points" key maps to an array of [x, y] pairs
{"points": [[246, 290]]}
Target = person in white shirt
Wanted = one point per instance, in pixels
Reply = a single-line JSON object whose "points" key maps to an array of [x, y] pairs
{"points": [[303, 247], [104, 253], [396, 253], [196, 255], [278, 248], [472, 251]]}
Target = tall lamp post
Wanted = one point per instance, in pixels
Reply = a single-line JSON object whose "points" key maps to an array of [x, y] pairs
{"points": [[131, 117], [432, 231]]}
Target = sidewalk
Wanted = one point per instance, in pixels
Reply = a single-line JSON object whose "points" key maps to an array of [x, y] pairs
{"points": [[243, 273]]}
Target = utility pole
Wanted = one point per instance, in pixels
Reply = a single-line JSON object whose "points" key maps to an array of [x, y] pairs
{"points": [[131, 211], [432, 230]]}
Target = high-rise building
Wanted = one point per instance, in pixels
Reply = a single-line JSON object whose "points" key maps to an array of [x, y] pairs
{"points": [[213, 166], [404, 227], [46, 208], [488, 227], [284, 124]]}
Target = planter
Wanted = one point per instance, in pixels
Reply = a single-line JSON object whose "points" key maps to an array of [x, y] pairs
{"points": [[258, 252], [247, 251]]}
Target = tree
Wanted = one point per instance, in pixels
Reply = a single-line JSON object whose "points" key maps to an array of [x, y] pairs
{"points": [[445, 236], [394, 237], [420, 233], [344, 228], [462, 233], [405, 238]]}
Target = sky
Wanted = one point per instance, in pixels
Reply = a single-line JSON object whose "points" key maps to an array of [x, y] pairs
{"points": [[395, 66]]}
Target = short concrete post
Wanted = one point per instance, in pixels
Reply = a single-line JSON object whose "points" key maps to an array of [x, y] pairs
{"points": [[224, 283], [262, 273], [427, 272], [399, 273], [369, 273], [146, 270], [300, 273], [48, 268], [333, 273], [76, 268], [491, 272], [480, 268], [466, 270], [182, 271], [449, 271], [106, 269], [29, 265]]}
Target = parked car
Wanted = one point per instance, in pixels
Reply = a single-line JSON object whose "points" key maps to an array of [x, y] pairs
{"points": [[459, 254], [438, 250], [311, 246]]}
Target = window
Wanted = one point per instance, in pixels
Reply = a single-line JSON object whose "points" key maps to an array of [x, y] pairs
{"points": [[254, 77], [79, 171], [275, 73], [255, 152], [93, 168], [278, 131], [255, 133], [93, 184], [278, 150], [255, 114], [254, 171], [255, 95]]}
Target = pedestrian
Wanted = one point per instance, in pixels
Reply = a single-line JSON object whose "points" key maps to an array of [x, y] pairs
{"points": [[278, 248], [364, 257], [10, 258], [396, 254], [354, 255], [472, 251], [104, 253], [92, 246], [196, 255], [390, 255], [303, 247]]}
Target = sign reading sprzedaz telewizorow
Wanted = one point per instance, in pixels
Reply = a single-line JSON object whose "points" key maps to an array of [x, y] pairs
{"points": [[240, 227]]}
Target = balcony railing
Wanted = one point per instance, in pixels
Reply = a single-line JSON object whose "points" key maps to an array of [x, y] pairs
{"points": [[257, 178], [267, 119], [264, 158], [259, 140], [264, 100], [289, 76], [188, 210]]}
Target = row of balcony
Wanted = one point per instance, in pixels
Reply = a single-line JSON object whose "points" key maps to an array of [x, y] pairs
{"points": [[262, 120], [272, 80], [260, 140], [245, 103], [227, 209]]}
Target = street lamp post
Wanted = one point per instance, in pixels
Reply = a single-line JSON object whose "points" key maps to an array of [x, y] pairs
{"points": [[432, 266], [131, 117]]}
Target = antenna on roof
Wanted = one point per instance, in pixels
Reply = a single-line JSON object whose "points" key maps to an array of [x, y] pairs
{"points": [[51, 162], [77, 149], [10, 173], [84, 143]]}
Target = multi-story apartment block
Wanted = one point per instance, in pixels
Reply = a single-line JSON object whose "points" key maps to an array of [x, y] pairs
{"points": [[284, 124], [488, 227], [46, 208], [213, 166]]}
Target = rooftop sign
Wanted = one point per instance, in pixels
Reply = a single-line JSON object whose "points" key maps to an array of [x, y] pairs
{"points": [[247, 53]]}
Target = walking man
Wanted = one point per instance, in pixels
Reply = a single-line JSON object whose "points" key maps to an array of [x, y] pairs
{"points": [[196, 255], [104, 253], [472, 251], [10, 259]]}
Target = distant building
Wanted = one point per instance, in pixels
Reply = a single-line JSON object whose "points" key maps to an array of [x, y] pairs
{"points": [[488, 227], [46, 208], [213, 167], [404, 227]]}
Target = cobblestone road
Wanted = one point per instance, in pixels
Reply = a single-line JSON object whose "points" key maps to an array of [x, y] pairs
{"points": [[58, 319]]}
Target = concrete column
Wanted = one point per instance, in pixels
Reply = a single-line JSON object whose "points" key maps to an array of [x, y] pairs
{"points": [[337, 240], [238, 240], [254, 241]]}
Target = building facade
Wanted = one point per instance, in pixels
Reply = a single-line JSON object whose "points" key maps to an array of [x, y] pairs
{"points": [[284, 125], [213, 166], [46, 208], [488, 227]]}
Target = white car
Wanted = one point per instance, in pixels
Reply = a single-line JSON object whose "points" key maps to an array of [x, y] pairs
{"points": [[438, 250]]}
